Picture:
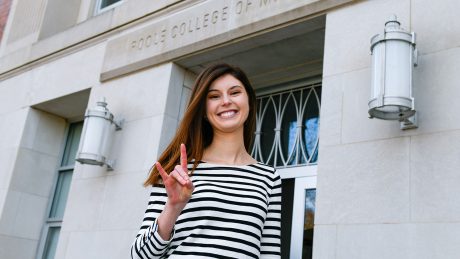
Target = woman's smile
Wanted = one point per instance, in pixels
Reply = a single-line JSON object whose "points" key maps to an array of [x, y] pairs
{"points": [[228, 114]]}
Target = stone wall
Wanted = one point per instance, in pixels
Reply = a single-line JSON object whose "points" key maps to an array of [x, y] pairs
{"points": [[383, 192]]}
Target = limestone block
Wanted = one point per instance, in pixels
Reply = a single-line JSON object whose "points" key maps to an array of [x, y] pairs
{"points": [[124, 191], [15, 58], [435, 177], [175, 91], [30, 216], [169, 128], [189, 79], [128, 11], [16, 218], [330, 131], [11, 128], [436, 91], [88, 244], [59, 16], [185, 97], [17, 248], [138, 145], [3, 193], [34, 172], [436, 23], [69, 74], [7, 160], [349, 30], [31, 128], [84, 204], [376, 241], [436, 240], [25, 20], [136, 96], [14, 93], [10, 209], [325, 242], [44, 134], [82, 171], [75, 34], [365, 182]]}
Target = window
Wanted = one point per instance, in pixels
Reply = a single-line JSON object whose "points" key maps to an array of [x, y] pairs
{"points": [[103, 5], [56, 212], [287, 127]]}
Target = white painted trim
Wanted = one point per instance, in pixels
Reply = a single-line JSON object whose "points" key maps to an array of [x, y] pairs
{"points": [[297, 171]]}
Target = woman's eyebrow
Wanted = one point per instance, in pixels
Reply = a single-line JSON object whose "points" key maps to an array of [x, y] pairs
{"points": [[235, 86], [231, 88]]}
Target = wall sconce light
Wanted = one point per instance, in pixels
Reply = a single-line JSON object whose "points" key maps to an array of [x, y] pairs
{"points": [[393, 57], [96, 138]]}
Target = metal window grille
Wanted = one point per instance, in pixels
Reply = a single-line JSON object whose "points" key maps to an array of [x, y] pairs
{"points": [[287, 127]]}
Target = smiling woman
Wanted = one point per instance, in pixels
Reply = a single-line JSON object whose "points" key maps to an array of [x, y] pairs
{"points": [[210, 198], [227, 106]]}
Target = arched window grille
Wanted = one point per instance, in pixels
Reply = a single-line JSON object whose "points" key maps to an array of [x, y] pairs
{"points": [[287, 127]]}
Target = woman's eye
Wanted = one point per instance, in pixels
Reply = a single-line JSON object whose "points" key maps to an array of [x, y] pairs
{"points": [[213, 97], [236, 93]]}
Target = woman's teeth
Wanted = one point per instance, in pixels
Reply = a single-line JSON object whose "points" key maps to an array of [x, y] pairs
{"points": [[227, 114]]}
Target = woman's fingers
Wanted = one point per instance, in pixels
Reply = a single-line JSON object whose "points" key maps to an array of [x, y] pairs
{"points": [[176, 175], [163, 173], [183, 157], [189, 185], [182, 173]]}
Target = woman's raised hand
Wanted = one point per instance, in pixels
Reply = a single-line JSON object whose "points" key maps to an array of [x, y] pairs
{"points": [[178, 185]]}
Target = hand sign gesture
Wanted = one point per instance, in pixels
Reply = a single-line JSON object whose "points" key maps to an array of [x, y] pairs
{"points": [[178, 185]]}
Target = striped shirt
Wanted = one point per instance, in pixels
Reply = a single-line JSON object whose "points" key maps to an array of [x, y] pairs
{"points": [[234, 212]]}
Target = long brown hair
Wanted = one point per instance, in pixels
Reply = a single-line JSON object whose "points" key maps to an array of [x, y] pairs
{"points": [[196, 132]]}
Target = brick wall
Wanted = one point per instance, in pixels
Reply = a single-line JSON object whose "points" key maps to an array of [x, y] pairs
{"points": [[4, 10]]}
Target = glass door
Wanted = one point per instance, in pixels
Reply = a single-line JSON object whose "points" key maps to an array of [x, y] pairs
{"points": [[303, 214]]}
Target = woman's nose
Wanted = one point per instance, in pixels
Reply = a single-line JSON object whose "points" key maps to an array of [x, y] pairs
{"points": [[226, 100]]}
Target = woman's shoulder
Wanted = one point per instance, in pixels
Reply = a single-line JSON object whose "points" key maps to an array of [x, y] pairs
{"points": [[267, 169], [264, 167]]}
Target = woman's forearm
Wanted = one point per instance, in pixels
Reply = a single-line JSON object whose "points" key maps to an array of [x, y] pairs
{"points": [[167, 219]]}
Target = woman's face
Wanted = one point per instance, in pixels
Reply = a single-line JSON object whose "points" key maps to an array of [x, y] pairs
{"points": [[227, 105]]}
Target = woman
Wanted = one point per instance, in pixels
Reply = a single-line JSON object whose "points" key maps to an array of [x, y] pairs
{"points": [[210, 198]]}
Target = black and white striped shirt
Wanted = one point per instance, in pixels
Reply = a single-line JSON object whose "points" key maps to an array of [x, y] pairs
{"points": [[234, 212]]}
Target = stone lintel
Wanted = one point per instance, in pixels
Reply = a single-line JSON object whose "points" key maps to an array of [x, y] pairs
{"points": [[205, 25]]}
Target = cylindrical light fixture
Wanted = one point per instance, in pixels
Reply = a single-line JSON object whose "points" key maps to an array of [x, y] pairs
{"points": [[96, 136], [393, 57]]}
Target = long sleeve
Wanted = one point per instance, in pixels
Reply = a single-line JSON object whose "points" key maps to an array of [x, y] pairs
{"points": [[148, 243], [271, 234]]}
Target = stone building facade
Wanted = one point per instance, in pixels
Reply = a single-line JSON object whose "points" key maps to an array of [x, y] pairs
{"points": [[352, 187]]}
